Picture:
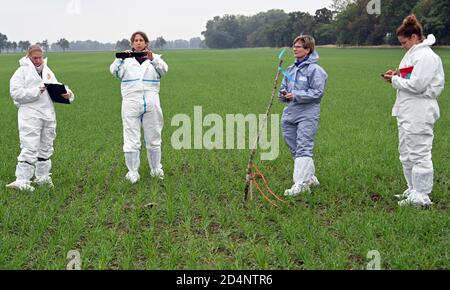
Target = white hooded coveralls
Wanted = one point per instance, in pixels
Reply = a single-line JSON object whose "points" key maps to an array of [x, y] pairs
{"points": [[36, 119], [141, 106], [416, 109]]}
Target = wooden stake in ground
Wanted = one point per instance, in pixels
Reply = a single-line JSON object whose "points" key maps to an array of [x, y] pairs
{"points": [[248, 190]]}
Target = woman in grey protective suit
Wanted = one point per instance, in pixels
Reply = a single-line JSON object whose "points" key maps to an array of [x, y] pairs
{"points": [[302, 90]]}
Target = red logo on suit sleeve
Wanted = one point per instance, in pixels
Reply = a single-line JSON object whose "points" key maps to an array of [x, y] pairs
{"points": [[406, 72]]}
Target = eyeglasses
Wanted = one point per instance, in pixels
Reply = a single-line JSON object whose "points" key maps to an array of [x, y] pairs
{"points": [[298, 46]]}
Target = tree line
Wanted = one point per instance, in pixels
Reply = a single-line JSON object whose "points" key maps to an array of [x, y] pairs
{"points": [[90, 45], [161, 43], [23, 45], [345, 22]]}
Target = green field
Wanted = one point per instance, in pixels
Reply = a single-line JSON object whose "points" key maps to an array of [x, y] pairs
{"points": [[200, 220]]}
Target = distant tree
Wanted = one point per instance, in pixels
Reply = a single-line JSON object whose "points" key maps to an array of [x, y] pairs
{"points": [[383, 27], [180, 43], [24, 45], [325, 34], [91, 45], [216, 38], [267, 29], [14, 46], [324, 16], [160, 43], [224, 32], [44, 45], [123, 44], [8, 46], [434, 15], [354, 24], [63, 43], [344, 22], [340, 5], [299, 23], [86, 45], [324, 30], [3, 41], [274, 35], [195, 42]]}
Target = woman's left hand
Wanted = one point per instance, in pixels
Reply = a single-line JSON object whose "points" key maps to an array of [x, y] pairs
{"points": [[388, 77], [66, 96], [149, 54], [389, 74]]}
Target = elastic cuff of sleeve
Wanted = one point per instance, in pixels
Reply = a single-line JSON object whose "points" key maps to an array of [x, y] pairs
{"points": [[393, 81], [37, 92]]}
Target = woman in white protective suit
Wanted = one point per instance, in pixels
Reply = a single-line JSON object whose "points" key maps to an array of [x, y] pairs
{"points": [[36, 118], [141, 106], [419, 82]]}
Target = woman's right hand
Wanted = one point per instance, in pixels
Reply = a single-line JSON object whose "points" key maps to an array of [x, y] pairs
{"points": [[289, 97]]}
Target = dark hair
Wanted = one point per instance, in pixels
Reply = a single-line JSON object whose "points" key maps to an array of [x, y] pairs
{"points": [[409, 27], [144, 36]]}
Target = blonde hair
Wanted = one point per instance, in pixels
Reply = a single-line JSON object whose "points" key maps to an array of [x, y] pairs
{"points": [[307, 42], [34, 48]]}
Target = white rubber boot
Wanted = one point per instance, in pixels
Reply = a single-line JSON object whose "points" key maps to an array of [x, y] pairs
{"points": [[303, 176]]}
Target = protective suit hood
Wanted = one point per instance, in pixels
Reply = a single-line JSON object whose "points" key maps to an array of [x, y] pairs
{"points": [[429, 41], [26, 61], [312, 58]]}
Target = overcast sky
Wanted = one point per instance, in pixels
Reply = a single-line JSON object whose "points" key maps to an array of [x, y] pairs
{"points": [[111, 20]]}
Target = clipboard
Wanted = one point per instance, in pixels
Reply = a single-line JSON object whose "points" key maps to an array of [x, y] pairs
{"points": [[55, 91]]}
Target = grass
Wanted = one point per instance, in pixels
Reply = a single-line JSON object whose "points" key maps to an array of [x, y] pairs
{"points": [[199, 220]]}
